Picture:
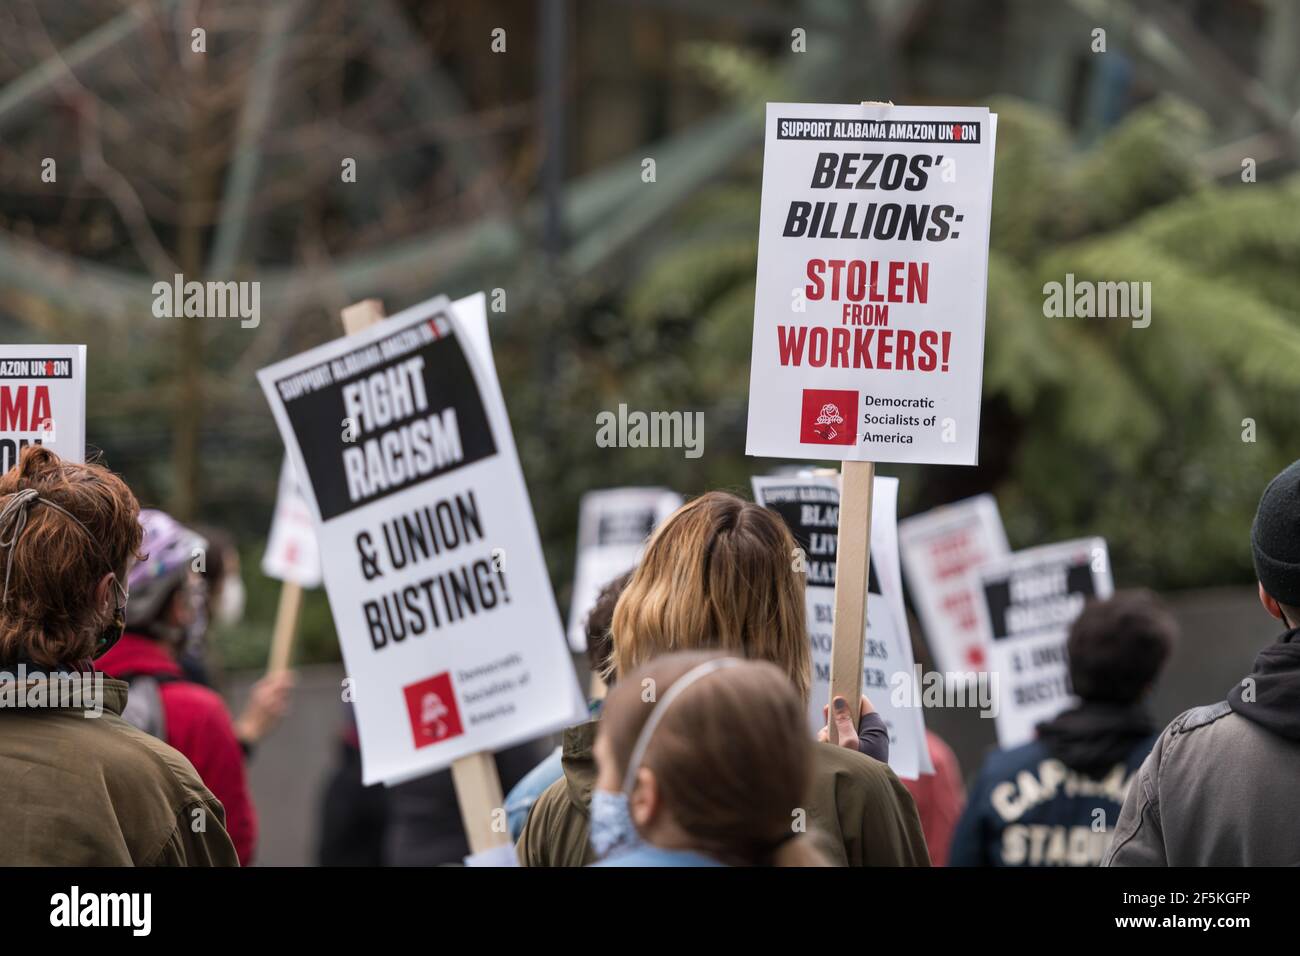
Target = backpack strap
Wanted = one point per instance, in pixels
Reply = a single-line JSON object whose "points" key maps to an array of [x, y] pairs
{"points": [[144, 704]]}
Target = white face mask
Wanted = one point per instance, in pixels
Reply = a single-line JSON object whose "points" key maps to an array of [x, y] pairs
{"points": [[230, 602]]}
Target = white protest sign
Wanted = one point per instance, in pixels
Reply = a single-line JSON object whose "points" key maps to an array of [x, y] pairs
{"points": [[940, 548], [431, 558], [810, 507], [613, 525], [291, 550], [872, 267], [42, 401], [1028, 601]]}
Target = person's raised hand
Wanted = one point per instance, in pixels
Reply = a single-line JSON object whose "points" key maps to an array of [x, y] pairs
{"points": [[846, 731], [268, 702]]}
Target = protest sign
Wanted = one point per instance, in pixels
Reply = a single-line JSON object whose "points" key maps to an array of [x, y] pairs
{"points": [[1028, 600], [940, 548], [431, 559], [872, 264], [613, 525], [810, 507], [293, 558], [291, 550], [835, 374], [42, 401]]}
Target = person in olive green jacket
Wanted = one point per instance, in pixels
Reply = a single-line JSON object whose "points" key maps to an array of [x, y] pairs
{"points": [[79, 786], [718, 575]]}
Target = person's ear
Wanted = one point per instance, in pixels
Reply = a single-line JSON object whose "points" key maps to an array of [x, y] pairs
{"points": [[105, 593], [1270, 604], [644, 801]]}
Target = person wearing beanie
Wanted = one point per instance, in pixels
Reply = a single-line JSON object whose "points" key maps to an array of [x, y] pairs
{"points": [[1037, 804], [1218, 788]]}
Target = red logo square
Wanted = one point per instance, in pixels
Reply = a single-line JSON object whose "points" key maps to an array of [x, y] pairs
{"points": [[830, 417], [432, 706]]}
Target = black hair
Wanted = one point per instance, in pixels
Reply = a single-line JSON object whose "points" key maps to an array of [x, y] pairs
{"points": [[1117, 646]]}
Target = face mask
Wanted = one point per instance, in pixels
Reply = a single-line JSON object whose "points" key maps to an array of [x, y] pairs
{"points": [[611, 823], [230, 602], [111, 634]]}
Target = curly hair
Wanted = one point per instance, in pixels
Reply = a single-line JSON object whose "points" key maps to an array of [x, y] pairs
{"points": [[49, 617]]}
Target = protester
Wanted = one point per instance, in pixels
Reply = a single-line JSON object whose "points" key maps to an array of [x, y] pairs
{"points": [[353, 818], [708, 769], [717, 574], [223, 604], [73, 791], [1054, 801], [1218, 788], [600, 645], [940, 798], [417, 823], [165, 614]]}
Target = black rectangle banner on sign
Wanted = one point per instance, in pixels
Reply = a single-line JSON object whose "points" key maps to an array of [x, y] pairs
{"points": [[941, 131], [36, 368], [1078, 581], [812, 513], [410, 406], [627, 527]]}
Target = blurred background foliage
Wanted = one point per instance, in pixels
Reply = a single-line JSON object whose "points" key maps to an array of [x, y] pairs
{"points": [[522, 172]]}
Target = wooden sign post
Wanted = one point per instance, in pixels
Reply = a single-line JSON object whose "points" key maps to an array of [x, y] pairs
{"points": [[477, 783], [286, 627], [852, 573]]}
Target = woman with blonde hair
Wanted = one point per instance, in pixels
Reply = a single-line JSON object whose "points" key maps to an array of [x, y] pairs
{"points": [[722, 574], [702, 760]]}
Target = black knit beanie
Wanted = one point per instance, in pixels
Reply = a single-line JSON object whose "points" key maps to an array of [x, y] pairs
{"points": [[1275, 537]]}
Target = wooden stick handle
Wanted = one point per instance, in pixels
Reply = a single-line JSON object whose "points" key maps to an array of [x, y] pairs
{"points": [[478, 792], [475, 777], [852, 572], [286, 628]]}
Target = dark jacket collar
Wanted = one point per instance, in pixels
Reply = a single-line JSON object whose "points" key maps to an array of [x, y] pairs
{"points": [[1095, 736], [1270, 694]]}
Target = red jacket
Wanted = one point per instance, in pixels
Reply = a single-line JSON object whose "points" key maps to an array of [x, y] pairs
{"points": [[940, 798], [199, 726]]}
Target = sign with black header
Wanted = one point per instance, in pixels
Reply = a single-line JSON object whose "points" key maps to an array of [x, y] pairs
{"points": [[431, 558], [42, 401], [1027, 602], [613, 526], [872, 266], [810, 507]]}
